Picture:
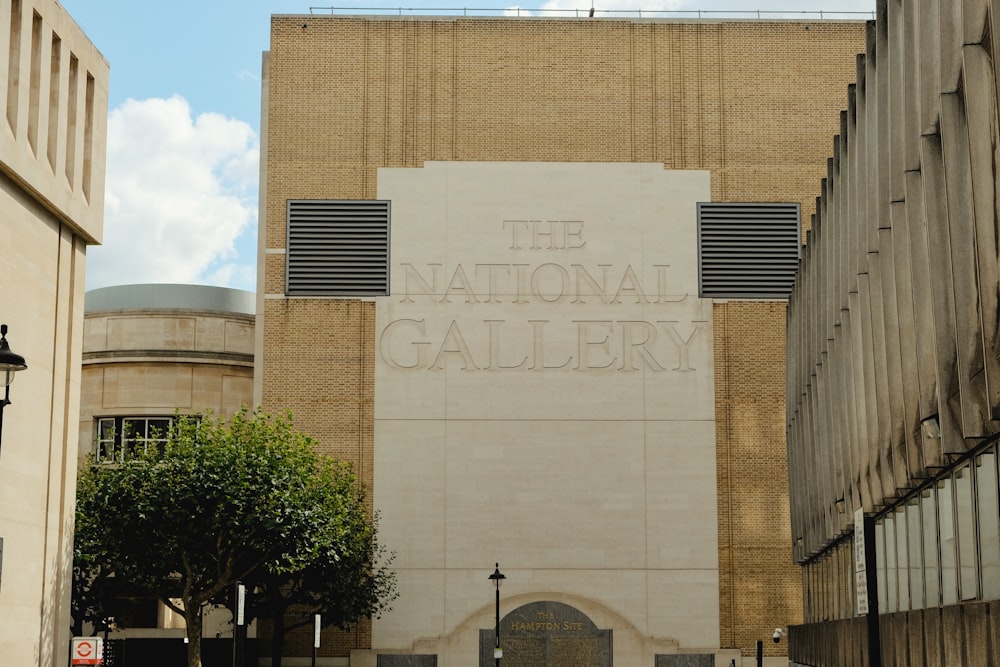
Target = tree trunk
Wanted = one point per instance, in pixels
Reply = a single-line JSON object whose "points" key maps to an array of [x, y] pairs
{"points": [[277, 638], [193, 617]]}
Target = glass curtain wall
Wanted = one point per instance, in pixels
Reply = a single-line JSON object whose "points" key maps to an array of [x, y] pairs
{"points": [[939, 546]]}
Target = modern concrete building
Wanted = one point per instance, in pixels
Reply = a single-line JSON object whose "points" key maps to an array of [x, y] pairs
{"points": [[150, 352], [529, 275], [54, 87], [893, 359]]}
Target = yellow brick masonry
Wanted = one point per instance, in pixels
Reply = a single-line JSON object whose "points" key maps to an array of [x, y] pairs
{"points": [[756, 103]]}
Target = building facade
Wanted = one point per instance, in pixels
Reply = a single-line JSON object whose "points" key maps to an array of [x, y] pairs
{"points": [[151, 352], [54, 87], [893, 368], [482, 280]]}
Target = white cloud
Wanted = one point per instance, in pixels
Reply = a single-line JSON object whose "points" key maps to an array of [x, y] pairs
{"points": [[180, 192]]}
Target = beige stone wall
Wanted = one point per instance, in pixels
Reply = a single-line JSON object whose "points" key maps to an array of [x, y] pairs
{"points": [[557, 378], [154, 362], [755, 103], [51, 198]]}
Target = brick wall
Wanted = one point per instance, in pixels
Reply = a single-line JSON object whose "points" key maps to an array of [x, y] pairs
{"points": [[760, 586], [756, 103]]}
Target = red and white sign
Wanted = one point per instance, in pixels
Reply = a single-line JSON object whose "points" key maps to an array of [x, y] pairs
{"points": [[86, 651]]}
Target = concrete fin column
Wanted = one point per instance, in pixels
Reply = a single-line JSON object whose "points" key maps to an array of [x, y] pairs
{"points": [[942, 293], [984, 155], [961, 225], [909, 382], [923, 321]]}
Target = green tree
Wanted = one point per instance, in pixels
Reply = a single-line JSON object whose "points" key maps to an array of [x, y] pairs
{"points": [[220, 502], [349, 579]]}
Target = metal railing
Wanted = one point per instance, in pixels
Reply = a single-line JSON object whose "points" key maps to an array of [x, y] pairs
{"points": [[759, 14]]}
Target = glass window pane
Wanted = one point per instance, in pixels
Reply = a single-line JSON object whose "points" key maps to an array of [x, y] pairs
{"points": [[932, 576], [916, 560], [880, 561], [106, 439], [967, 560], [134, 428], [902, 559], [105, 429], [891, 576], [157, 429], [989, 524], [948, 542]]}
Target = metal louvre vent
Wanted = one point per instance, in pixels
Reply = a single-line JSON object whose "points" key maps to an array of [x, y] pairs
{"points": [[747, 251], [337, 248]]}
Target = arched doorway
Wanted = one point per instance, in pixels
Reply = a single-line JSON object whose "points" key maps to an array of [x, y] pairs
{"points": [[547, 634]]}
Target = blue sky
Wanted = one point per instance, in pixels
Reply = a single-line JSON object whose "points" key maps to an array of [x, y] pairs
{"points": [[184, 123]]}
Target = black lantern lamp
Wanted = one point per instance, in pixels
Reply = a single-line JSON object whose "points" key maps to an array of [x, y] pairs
{"points": [[497, 577], [10, 363]]}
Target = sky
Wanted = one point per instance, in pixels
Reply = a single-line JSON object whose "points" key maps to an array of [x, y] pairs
{"points": [[184, 122]]}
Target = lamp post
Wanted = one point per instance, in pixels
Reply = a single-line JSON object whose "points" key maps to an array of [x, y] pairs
{"points": [[496, 578], [10, 363]]}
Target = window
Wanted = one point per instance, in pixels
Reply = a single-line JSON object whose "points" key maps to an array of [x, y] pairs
{"points": [[948, 542], [915, 552], [932, 575], [902, 559], [967, 560], [989, 524], [120, 437], [880, 573], [891, 574]]}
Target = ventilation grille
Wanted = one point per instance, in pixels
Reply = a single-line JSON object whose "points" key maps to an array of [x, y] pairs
{"points": [[747, 251], [337, 248]]}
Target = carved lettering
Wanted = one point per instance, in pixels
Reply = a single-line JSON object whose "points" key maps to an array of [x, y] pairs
{"points": [[538, 276], [630, 285], [414, 283], [385, 348], [495, 346], [538, 347], [586, 345], [632, 348], [545, 234], [683, 344], [582, 345], [549, 282], [454, 343], [460, 283], [585, 280], [492, 294], [542, 345]]}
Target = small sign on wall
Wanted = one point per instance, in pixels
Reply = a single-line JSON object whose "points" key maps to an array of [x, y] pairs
{"points": [[86, 651]]}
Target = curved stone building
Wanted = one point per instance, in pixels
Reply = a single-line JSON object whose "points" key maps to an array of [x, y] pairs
{"points": [[150, 351]]}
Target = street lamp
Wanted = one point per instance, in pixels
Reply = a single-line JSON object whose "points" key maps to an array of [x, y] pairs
{"points": [[496, 578], [10, 363]]}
